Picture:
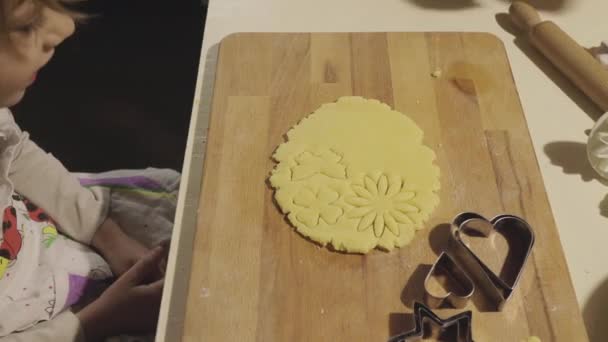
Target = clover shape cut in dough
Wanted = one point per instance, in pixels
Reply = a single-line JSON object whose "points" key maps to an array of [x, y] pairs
{"points": [[354, 174], [382, 204], [317, 206]]}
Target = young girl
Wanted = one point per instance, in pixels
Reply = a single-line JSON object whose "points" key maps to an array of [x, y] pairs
{"points": [[43, 273]]}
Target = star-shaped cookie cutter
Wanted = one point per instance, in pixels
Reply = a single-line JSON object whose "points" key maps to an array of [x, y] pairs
{"points": [[425, 318]]}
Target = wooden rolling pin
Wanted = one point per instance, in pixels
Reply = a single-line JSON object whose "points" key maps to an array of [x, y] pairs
{"points": [[572, 59]]}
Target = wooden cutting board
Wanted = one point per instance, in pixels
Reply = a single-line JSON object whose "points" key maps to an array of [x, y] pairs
{"points": [[255, 279]]}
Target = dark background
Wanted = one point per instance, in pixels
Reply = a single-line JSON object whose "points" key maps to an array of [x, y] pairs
{"points": [[118, 94]]}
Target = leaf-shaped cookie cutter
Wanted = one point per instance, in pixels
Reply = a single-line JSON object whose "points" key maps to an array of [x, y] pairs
{"points": [[461, 322], [497, 289], [445, 264]]}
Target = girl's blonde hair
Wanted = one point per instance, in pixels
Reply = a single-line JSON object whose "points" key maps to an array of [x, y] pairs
{"points": [[7, 6]]}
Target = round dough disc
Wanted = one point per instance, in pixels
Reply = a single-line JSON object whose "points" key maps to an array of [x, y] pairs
{"points": [[355, 174]]}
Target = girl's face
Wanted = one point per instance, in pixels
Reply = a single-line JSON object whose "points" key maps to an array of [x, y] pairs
{"points": [[33, 33]]}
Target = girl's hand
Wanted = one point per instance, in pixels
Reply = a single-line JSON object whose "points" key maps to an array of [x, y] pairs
{"points": [[130, 305], [116, 247]]}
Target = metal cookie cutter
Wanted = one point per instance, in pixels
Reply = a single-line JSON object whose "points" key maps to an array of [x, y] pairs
{"points": [[446, 267], [425, 319], [498, 288]]}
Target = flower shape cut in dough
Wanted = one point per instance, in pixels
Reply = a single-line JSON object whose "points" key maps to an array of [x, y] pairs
{"points": [[382, 204]]}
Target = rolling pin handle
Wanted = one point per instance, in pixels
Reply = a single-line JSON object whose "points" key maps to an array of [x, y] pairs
{"points": [[524, 15]]}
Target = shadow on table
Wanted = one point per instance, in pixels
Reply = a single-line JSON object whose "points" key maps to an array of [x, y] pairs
{"points": [[445, 4], [595, 312], [546, 5], [603, 207], [399, 323], [571, 156], [439, 236], [414, 289], [550, 70]]}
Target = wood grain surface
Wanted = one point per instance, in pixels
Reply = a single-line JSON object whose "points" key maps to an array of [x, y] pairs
{"points": [[254, 278]]}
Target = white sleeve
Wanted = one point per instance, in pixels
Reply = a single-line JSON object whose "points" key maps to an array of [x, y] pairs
{"points": [[42, 179], [63, 328]]}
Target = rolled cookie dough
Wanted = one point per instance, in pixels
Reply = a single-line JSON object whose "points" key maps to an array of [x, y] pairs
{"points": [[355, 174]]}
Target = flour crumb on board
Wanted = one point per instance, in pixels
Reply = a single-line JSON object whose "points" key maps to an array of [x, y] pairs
{"points": [[437, 73], [300, 261], [322, 311], [417, 101], [205, 292]]}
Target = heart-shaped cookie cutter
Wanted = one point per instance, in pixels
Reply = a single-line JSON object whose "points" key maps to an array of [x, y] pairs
{"points": [[498, 289], [447, 267]]}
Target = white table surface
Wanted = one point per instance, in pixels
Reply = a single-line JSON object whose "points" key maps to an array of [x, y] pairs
{"points": [[557, 114]]}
